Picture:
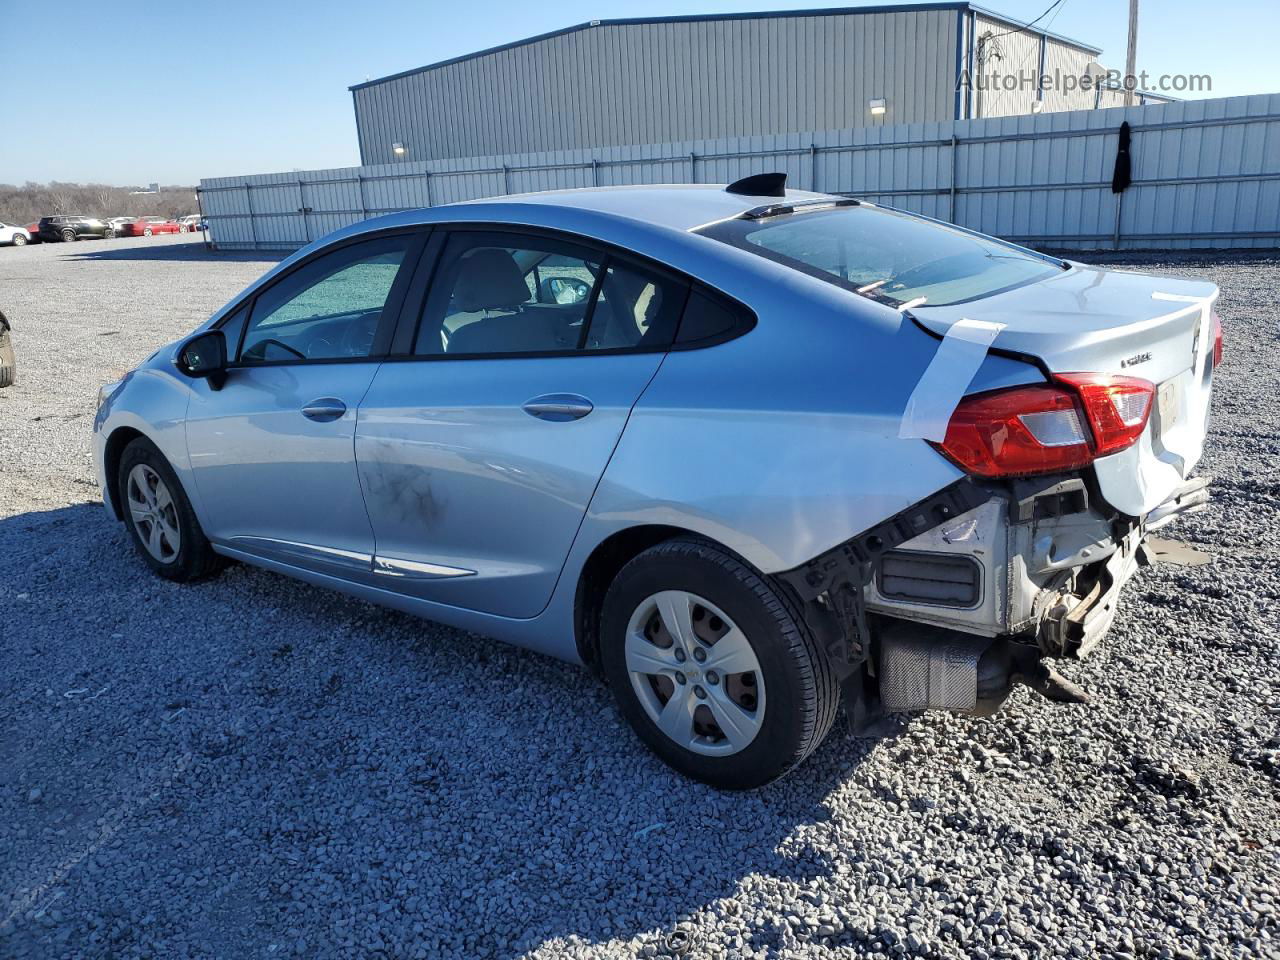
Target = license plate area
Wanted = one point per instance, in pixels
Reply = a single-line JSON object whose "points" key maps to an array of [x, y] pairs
{"points": [[1168, 404]]}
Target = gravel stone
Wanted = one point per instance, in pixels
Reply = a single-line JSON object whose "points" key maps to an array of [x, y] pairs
{"points": [[254, 767]]}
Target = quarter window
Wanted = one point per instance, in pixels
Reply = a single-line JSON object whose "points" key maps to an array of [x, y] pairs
{"points": [[707, 318], [328, 309]]}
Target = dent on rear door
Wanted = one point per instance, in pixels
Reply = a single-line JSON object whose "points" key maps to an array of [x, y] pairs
{"points": [[475, 502]]}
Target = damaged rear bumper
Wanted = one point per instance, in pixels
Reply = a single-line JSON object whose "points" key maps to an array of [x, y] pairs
{"points": [[952, 601]]}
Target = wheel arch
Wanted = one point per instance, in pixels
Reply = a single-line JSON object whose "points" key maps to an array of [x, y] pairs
{"points": [[120, 438], [604, 563]]}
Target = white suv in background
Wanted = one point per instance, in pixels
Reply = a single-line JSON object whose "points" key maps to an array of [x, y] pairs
{"points": [[17, 236]]}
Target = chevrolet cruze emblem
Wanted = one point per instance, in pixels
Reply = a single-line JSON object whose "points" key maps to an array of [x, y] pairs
{"points": [[1136, 359]]}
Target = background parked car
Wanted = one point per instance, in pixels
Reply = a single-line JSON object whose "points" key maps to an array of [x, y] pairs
{"points": [[18, 236], [72, 228], [148, 226], [116, 223], [191, 222]]}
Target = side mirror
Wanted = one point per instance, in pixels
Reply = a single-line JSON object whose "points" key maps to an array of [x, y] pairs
{"points": [[205, 356], [564, 290]]}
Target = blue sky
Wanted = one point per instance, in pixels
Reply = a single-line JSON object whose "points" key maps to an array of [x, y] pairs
{"points": [[172, 92]]}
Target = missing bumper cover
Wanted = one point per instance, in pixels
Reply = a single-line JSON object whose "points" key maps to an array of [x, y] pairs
{"points": [[831, 586]]}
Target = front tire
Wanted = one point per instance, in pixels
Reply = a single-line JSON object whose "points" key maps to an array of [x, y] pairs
{"points": [[161, 523], [713, 667], [8, 365], [19, 241], [147, 232]]}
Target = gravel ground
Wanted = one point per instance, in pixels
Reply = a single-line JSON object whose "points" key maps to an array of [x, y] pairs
{"points": [[253, 767]]}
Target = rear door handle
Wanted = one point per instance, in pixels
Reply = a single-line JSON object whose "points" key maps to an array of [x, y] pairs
{"points": [[558, 407], [324, 409]]}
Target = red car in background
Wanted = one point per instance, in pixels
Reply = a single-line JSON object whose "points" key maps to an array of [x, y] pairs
{"points": [[147, 226]]}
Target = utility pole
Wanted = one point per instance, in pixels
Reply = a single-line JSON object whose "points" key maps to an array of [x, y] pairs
{"points": [[1131, 56]]}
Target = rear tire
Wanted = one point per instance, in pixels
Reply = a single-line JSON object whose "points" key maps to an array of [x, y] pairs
{"points": [[19, 241], [8, 364], [161, 523], [790, 704], [68, 236], [147, 232]]}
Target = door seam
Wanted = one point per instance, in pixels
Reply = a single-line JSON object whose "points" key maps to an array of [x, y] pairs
{"points": [[599, 480], [355, 463]]}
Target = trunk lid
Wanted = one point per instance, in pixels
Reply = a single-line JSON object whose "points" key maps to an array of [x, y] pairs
{"points": [[1102, 321]]}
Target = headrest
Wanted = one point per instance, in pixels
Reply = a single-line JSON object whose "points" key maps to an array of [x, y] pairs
{"points": [[489, 279]]}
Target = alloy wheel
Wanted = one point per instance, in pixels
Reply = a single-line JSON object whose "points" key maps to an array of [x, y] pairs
{"points": [[695, 673], [154, 513]]}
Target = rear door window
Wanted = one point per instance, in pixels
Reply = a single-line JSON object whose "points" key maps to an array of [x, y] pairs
{"points": [[497, 293], [504, 294], [637, 308]]}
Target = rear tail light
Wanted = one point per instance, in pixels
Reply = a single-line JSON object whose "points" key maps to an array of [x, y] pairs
{"points": [[1217, 340], [1118, 407], [1022, 431]]}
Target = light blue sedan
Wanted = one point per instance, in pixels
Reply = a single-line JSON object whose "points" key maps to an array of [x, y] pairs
{"points": [[752, 453]]}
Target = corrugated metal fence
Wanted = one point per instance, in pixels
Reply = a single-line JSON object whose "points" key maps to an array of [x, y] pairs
{"points": [[1206, 173]]}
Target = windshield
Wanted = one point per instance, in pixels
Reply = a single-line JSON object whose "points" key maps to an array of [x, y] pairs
{"points": [[889, 256]]}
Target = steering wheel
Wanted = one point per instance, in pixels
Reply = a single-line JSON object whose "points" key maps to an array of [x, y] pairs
{"points": [[283, 346], [357, 339], [321, 349]]}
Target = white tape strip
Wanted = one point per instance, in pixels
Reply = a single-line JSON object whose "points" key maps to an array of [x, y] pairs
{"points": [[948, 375]]}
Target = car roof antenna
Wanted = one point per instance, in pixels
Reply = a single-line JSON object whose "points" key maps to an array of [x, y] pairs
{"points": [[760, 185]]}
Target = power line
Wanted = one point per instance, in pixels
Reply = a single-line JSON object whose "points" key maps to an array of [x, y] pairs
{"points": [[1036, 53], [1027, 26]]}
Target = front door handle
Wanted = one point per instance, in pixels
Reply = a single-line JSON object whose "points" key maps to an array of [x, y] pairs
{"points": [[324, 409], [558, 407]]}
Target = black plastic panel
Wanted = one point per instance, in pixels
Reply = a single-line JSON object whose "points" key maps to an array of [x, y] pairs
{"points": [[940, 579]]}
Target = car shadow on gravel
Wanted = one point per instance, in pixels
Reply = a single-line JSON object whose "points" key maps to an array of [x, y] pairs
{"points": [[189, 252], [279, 764]]}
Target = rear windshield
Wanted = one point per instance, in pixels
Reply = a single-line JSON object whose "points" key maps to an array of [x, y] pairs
{"points": [[889, 256]]}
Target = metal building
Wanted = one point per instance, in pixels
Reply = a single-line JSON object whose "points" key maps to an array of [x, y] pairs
{"points": [[659, 80]]}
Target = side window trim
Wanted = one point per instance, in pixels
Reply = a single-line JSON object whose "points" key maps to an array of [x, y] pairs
{"points": [[589, 315], [406, 332], [415, 301], [391, 312]]}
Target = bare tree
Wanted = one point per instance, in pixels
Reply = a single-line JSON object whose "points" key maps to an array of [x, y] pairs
{"points": [[105, 198], [62, 198]]}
